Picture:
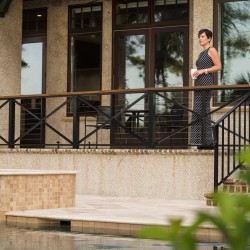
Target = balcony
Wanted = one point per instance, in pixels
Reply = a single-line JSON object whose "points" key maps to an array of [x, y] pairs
{"points": [[150, 118]]}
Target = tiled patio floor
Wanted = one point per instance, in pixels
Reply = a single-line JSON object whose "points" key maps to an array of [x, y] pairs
{"points": [[115, 215]]}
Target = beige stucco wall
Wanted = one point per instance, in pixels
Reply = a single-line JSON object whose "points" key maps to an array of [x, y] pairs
{"points": [[163, 174], [10, 49], [10, 61], [56, 66]]}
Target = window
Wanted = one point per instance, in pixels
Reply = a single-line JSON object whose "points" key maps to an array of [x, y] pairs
{"points": [[85, 36], [165, 10], [35, 22], [233, 44], [150, 50], [86, 18], [33, 80], [131, 12], [141, 12]]}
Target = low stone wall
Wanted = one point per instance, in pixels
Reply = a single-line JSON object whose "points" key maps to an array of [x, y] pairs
{"points": [[30, 189], [158, 174]]}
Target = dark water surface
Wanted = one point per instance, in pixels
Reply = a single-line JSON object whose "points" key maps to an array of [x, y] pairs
{"points": [[13, 238]]}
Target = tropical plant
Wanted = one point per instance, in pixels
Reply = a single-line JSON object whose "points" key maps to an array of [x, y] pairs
{"points": [[232, 220]]}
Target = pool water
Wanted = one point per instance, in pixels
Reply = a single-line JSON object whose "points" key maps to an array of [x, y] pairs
{"points": [[13, 238]]}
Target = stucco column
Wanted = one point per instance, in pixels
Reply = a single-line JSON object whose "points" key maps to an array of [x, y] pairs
{"points": [[107, 49], [10, 62], [56, 66], [107, 45], [11, 49], [201, 17], [57, 49]]}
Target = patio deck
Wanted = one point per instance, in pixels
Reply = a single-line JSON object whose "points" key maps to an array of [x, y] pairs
{"points": [[118, 216]]}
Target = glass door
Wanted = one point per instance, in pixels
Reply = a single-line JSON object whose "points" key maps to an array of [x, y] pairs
{"points": [[155, 57], [170, 69], [131, 62], [131, 71], [32, 82]]}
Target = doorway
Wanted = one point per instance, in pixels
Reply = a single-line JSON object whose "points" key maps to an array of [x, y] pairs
{"points": [[153, 57]]}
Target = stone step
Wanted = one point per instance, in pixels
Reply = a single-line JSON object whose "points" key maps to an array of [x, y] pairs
{"points": [[210, 200], [229, 186], [236, 186]]}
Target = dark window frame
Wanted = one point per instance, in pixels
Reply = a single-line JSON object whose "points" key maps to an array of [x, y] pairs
{"points": [[151, 22], [37, 37], [33, 33], [149, 50], [83, 30], [80, 33], [216, 29]]}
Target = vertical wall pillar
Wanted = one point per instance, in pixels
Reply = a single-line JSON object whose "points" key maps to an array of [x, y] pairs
{"points": [[201, 17], [107, 49], [10, 61], [11, 49], [56, 67]]}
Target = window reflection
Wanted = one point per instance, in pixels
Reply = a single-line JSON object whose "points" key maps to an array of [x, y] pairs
{"points": [[132, 61], [134, 12], [234, 44], [132, 64], [87, 17], [32, 61], [168, 68], [170, 10], [168, 59]]}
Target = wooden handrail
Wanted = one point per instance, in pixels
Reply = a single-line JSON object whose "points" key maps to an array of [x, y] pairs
{"points": [[131, 91]]}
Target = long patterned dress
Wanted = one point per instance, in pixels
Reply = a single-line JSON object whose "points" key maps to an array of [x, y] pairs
{"points": [[204, 61]]}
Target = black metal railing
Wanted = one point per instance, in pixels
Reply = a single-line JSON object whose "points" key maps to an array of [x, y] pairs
{"points": [[231, 136], [152, 118]]}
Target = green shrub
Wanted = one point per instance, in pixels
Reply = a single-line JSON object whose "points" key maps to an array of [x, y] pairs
{"points": [[232, 220]]}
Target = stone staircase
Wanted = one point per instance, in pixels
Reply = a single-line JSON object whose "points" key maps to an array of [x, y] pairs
{"points": [[229, 186]]}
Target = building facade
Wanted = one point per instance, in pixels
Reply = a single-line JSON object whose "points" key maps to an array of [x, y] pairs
{"points": [[57, 46]]}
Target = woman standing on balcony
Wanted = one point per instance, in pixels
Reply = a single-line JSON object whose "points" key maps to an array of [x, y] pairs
{"points": [[207, 63]]}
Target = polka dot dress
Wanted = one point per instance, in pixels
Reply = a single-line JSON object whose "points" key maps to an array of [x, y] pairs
{"points": [[204, 61]]}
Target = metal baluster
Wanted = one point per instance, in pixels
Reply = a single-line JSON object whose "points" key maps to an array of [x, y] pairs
{"points": [[11, 124], [75, 122]]}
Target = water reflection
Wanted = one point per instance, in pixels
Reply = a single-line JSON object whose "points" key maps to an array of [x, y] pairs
{"points": [[23, 239]]}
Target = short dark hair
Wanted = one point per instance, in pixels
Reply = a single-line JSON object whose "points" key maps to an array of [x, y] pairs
{"points": [[208, 33]]}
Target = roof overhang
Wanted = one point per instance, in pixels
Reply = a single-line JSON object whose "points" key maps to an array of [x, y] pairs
{"points": [[4, 6]]}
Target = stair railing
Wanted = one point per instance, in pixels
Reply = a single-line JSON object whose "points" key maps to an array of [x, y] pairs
{"points": [[231, 136]]}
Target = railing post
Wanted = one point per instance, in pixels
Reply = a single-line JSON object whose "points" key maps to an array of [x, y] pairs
{"points": [[112, 123], [203, 129], [216, 157], [11, 124], [76, 121], [151, 119]]}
